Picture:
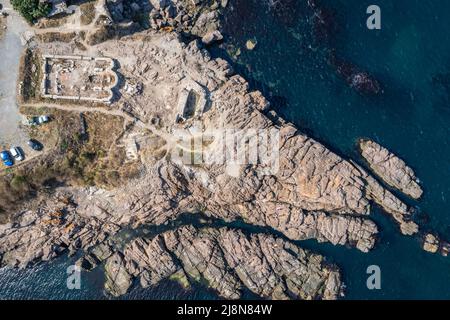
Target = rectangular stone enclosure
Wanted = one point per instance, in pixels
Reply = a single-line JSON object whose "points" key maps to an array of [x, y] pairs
{"points": [[78, 78]]}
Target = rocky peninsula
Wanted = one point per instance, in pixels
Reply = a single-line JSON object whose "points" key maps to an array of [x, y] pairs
{"points": [[313, 193], [228, 261], [390, 168]]}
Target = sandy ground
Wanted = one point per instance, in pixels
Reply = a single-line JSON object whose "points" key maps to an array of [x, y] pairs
{"points": [[11, 49]]}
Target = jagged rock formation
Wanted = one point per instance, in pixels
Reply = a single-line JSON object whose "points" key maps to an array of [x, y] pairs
{"points": [[118, 280], [228, 261], [53, 229], [308, 193], [194, 18], [390, 168]]}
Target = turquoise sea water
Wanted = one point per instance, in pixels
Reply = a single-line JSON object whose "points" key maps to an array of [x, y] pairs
{"points": [[411, 117]]}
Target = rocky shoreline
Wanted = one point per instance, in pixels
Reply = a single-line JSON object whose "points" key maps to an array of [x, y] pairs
{"points": [[227, 260], [314, 194]]}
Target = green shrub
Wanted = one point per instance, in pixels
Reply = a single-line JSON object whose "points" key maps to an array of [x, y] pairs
{"points": [[19, 183], [31, 10]]}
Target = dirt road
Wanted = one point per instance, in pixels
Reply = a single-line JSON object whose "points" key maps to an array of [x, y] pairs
{"points": [[11, 49]]}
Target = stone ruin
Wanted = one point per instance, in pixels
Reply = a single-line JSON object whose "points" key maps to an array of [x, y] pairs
{"points": [[191, 101], [79, 78]]}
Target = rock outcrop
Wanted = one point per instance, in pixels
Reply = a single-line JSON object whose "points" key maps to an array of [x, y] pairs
{"points": [[194, 18], [228, 260], [118, 280], [390, 168], [53, 229], [431, 243]]}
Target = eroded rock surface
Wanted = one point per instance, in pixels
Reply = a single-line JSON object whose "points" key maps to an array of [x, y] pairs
{"points": [[390, 168], [53, 229], [118, 280], [228, 260]]}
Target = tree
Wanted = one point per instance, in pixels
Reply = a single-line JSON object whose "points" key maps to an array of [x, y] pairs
{"points": [[31, 10]]}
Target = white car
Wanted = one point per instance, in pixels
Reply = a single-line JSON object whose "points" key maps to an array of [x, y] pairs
{"points": [[43, 119], [16, 153]]}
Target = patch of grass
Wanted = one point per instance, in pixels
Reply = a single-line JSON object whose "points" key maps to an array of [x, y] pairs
{"points": [[64, 146], [19, 183]]}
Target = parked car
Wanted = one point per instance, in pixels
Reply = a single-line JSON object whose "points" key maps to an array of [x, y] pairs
{"points": [[7, 159], [35, 145], [43, 119], [33, 121], [17, 153], [36, 121]]}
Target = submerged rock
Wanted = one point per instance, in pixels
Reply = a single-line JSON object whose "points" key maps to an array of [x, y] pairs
{"points": [[356, 78], [390, 168], [324, 22]]}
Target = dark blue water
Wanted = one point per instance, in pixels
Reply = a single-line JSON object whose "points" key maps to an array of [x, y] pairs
{"points": [[411, 117]]}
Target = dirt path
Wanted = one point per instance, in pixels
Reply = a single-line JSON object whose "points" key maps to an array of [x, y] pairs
{"points": [[78, 108], [171, 140]]}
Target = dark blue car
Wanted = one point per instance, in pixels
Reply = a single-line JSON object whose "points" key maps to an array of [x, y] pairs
{"points": [[6, 158], [35, 145]]}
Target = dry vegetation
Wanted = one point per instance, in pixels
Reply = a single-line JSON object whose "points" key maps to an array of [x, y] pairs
{"points": [[51, 23], [56, 37], [30, 75], [87, 13], [2, 25], [80, 46], [69, 158], [100, 35], [98, 161]]}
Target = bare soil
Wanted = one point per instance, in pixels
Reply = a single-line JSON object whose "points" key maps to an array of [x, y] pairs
{"points": [[68, 158]]}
